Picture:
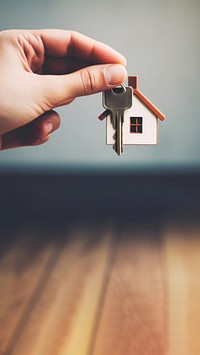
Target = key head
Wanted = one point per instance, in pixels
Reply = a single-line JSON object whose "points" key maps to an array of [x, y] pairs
{"points": [[118, 98]]}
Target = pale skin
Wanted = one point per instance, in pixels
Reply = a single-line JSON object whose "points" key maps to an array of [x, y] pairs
{"points": [[43, 69]]}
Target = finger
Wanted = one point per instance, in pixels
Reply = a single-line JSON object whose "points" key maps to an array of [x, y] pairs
{"points": [[59, 89], [61, 43], [35, 133], [45, 124]]}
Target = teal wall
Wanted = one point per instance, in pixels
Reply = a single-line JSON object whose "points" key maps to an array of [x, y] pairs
{"points": [[161, 40]]}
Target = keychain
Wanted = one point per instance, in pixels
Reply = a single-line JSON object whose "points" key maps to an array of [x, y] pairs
{"points": [[131, 117]]}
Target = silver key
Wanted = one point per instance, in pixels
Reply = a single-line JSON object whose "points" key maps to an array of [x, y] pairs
{"points": [[118, 100]]}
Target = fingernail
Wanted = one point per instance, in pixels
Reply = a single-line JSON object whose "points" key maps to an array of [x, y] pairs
{"points": [[48, 128], [116, 74]]}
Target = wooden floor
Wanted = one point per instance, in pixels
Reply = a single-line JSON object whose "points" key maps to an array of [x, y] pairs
{"points": [[79, 277]]}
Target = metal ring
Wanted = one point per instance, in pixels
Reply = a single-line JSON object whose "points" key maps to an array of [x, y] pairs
{"points": [[123, 87]]}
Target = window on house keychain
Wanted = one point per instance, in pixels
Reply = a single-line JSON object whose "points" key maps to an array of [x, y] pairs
{"points": [[131, 118]]}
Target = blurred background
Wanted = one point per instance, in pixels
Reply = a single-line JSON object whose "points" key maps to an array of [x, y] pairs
{"points": [[84, 230], [161, 41]]}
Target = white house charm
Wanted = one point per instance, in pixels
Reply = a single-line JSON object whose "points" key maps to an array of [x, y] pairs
{"points": [[139, 122]]}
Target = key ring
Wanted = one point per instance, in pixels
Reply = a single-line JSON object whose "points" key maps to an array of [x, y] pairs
{"points": [[123, 87], [117, 93]]}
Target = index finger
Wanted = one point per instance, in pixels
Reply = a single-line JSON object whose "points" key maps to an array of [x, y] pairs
{"points": [[61, 43]]}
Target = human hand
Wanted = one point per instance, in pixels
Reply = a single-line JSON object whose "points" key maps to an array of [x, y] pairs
{"points": [[44, 69]]}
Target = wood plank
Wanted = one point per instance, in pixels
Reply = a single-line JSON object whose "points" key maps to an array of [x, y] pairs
{"points": [[182, 245], [88, 293], [21, 268], [64, 317], [133, 317]]}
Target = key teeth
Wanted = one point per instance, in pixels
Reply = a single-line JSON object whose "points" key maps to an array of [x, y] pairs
{"points": [[115, 149]]}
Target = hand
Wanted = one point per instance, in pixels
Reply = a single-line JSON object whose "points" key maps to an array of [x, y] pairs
{"points": [[43, 69]]}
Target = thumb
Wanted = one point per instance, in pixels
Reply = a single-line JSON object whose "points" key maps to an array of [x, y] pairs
{"points": [[90, 80]]}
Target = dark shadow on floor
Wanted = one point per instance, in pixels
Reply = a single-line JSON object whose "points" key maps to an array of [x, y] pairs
{"points": [[50, 203]]}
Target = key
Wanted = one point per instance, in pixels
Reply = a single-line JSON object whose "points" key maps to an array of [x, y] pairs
{"points": [[118, 100]]}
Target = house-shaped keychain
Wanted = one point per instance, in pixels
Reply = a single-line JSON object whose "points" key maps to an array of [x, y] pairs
{"points": [[140, 124]]}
